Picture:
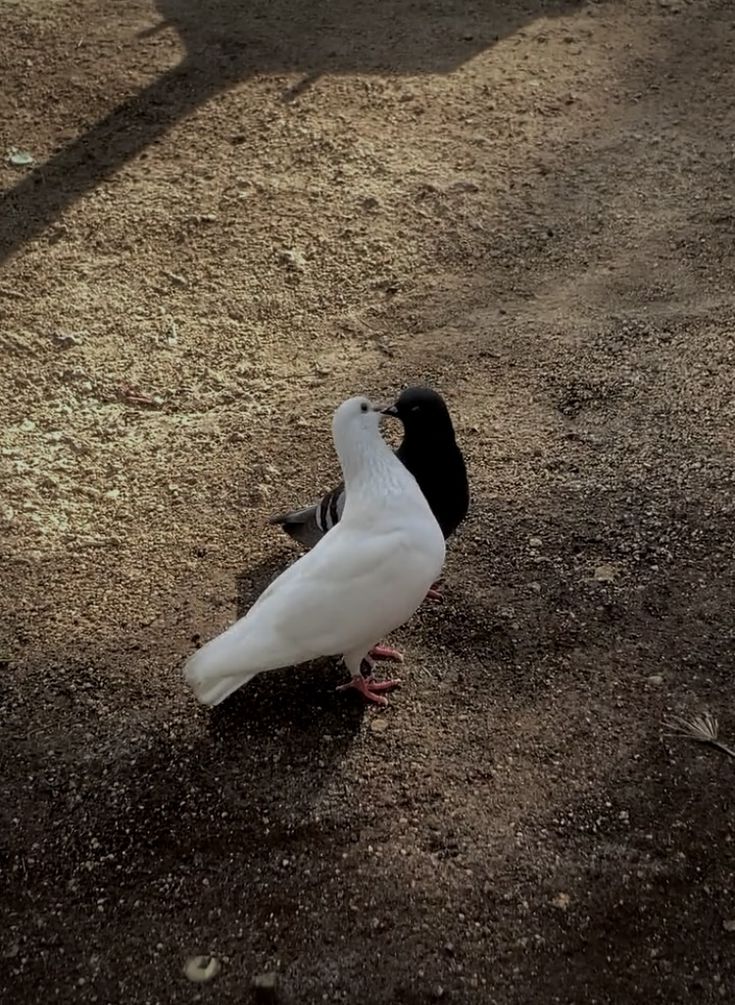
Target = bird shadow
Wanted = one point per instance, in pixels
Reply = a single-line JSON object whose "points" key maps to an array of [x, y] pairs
{"points": [[227, 42], [299, 697], [295, 714]]}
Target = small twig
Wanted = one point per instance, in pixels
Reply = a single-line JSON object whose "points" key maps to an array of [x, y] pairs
{"points": [[12, 293], [700, 728], [175, 277], [136, 397]]}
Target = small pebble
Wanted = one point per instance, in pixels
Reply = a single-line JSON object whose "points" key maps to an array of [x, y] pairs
{"points": [[605, 573], [202, 968], [293, 259]]}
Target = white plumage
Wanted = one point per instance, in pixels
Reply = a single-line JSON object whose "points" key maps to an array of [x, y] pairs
{"points": [[360, 582]]}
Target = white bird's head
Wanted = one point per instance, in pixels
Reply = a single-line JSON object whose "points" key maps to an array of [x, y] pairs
{"points": [[356, 417], [356, 434]]}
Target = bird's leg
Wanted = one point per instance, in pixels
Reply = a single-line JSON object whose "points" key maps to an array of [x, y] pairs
{"points": [[388, 653], [381, 652], [370, 689]]}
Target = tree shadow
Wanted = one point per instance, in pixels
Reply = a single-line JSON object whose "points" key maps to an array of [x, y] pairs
{"points": [[143, 798], [228, 42], [142, 794]]}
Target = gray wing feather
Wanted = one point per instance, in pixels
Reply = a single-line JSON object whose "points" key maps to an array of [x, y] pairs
{"points": [[309, 525]]}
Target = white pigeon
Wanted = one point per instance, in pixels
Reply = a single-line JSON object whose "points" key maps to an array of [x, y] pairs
{"points": [[361, 581]]}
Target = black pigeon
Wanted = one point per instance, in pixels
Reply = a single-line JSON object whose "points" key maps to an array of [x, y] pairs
{"points": [[430, 452]]}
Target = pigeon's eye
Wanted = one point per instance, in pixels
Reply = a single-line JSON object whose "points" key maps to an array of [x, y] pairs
{"points": [[363, 407], [416, 408]]}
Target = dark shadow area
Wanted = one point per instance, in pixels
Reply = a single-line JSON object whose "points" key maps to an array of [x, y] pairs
{"points": [[228, 42], [645, 864], [143, 799], [142, 795]]}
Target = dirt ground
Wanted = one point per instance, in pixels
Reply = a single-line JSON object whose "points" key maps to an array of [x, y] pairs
{"points": [[238, 215]]}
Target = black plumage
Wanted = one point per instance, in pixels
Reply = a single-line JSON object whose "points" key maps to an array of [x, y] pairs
{"points": [[430, 452]]}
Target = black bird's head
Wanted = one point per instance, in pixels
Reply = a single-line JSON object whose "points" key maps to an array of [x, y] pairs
{"points": [[423, 413], [432, 455]]}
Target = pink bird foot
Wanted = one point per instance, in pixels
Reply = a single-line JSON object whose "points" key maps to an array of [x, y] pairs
{"points": [[435, 593], [370, 689], [385, 653]]}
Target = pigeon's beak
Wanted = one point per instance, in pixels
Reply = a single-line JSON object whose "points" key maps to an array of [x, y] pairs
{"points": [[388, 410]]}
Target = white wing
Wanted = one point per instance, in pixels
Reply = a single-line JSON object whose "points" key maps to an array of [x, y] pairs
{"points": [[346, 593]]}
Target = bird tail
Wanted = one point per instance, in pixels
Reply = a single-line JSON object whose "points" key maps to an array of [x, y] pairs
{"points": [[222, 665], [301, 525]]}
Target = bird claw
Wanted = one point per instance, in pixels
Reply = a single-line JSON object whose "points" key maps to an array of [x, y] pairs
{"points": [[386, 653], [376, 686], [370, 689]]}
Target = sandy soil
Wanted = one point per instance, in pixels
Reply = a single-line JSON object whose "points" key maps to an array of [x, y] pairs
{"points": [[238, 215]]}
